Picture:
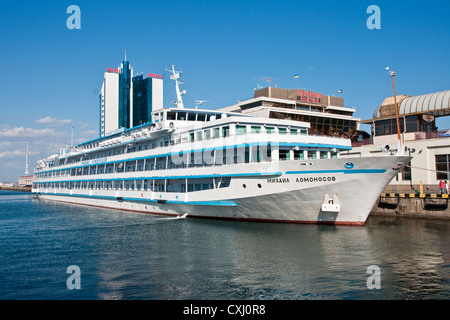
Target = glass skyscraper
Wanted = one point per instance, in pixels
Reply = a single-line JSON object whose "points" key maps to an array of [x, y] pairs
{"points": [[125, 98]]}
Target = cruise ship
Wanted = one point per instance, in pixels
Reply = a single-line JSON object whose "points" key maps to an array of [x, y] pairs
{"points": [[218, 164]]}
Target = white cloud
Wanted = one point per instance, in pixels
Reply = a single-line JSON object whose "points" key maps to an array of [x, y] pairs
{"points": [[21, 132], [15, 153], [53, 122]]}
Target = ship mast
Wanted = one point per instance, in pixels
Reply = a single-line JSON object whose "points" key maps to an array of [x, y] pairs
{"points": [[175, 76]]}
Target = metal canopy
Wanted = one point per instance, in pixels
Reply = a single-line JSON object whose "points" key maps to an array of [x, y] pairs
{"points": [[433, 103], [436, 104]]}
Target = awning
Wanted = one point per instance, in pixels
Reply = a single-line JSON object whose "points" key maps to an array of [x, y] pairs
{"points": [[436, 104]]}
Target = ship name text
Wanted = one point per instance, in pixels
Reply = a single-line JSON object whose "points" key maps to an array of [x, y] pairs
{"points": [[300, 180]]}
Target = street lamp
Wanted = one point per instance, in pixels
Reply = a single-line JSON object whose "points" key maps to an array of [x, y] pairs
{"points": [[393, 74]]}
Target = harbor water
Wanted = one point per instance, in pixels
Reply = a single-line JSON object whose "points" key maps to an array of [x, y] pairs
{"points": [[126, 255]]}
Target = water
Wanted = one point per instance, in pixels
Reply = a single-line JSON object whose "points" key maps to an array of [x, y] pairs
{"points": [[123, 255]]}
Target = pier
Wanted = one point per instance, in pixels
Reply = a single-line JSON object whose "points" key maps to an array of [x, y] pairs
{"points": [[24, 189], [423, 205]]}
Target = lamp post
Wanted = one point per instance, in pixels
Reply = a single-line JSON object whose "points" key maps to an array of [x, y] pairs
{"points": [[393, 74]]}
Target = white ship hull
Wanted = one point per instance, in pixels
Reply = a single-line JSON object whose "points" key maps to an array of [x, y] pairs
{"points": [[286, 191]]}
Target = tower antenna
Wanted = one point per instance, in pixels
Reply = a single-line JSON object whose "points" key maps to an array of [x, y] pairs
{"points": [[26, 162]]}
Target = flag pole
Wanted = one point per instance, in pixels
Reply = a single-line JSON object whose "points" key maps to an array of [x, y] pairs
{"points": [[298, 77], [393, 74]]}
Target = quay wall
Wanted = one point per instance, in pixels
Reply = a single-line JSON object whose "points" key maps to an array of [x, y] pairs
{"points": [[25, 189], [413, 205]]}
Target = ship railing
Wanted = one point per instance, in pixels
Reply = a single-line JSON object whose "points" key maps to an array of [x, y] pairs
{"points": [[236, 138]]}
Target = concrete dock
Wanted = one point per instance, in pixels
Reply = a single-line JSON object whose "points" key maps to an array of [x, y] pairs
{"points": [[24, 189], [424, 205]]}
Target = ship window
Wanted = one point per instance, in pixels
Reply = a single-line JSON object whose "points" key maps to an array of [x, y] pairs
{"points": [[191, 137], [294, 131], [216, 133], [201, 117], [225, 131], [282, 130], [241, 129], [270, 130], [256, 129], [239, 155], [171, 115], [181, 115], [312, 155], [199, 136], [207, 134], [299, 154], [284, 154], [191, 116]]}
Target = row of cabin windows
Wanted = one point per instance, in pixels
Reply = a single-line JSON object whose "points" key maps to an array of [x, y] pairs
{"points": [[189, 116], [216, 133], [168, 185], [193, 136], [195, 159], [240, 129]]}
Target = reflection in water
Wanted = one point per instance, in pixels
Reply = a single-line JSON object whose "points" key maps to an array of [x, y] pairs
{"points": [[125, 255], [415, 254], [207, 259]]}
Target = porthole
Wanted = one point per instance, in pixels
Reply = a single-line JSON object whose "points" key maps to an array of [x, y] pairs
{"points": [[244, 186], [259, 185]]}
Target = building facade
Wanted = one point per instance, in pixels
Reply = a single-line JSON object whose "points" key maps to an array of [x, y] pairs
{"points": [[147, 96], [326, 114], [428, 145], [121, 105]]}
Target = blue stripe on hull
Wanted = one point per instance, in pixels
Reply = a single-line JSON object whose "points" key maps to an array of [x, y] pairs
{"points": [[199, 203]]}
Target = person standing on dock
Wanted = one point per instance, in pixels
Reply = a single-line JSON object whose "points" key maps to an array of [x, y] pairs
{"points": [[442, 186], [446, 187]]}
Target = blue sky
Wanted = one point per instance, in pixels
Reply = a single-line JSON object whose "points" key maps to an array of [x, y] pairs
{"points": [[52, 75]]}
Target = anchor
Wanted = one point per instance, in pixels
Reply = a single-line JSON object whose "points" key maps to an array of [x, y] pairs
{"points": [[331, 204]]}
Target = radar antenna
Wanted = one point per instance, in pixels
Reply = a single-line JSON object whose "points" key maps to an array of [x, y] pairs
{"points": [[199, 102]]}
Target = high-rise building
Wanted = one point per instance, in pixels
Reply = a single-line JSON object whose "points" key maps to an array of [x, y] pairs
{"points": [[116, 99], [125, 96], [147, 97], [127, 101]]}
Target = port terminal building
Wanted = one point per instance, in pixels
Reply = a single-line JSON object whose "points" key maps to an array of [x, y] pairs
{"points": [[325, 114], [428, 144], [424, 141]]}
